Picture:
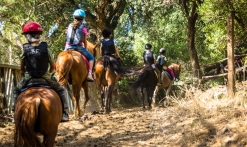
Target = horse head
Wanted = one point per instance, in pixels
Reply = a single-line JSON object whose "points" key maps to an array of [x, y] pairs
{"points": [[176, 69], [93, 49]]}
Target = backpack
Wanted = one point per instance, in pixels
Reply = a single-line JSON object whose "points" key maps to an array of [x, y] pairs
{"points": [[74, 36]]}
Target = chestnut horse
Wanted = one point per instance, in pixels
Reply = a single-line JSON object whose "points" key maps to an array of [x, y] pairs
{"points": [[107, 72], [72, 68], [167, 82], [38, 110]]}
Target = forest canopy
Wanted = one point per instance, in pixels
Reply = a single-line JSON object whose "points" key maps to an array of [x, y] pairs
{"points": [[190, 31]]}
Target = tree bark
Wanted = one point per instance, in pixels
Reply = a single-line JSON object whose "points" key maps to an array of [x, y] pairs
{"points": [[192, 17], [230, 53], [107, 15]]}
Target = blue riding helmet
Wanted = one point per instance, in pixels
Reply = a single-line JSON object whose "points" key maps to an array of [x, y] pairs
{"points": [[79, 13]]}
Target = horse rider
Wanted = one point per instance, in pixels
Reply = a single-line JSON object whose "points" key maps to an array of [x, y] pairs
{"points": [[35, 61], [149, 59], [76, 39], [108, 45], [162, 64]]}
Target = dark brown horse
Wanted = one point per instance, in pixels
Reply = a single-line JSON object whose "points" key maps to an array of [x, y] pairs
{"points": [[72, 68], [167, 82], [146, 79], [38, 110], [107, 72]]}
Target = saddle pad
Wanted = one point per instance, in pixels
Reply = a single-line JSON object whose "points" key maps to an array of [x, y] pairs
{"points": [[35, 82], [86, 61], [168, 74]]}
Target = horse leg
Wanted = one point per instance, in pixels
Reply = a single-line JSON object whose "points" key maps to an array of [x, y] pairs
{"points": [[49, 140], [76, 98], [149, 98], [167, 103], [102, 96], [109, 97], [154, 96], [85, 87], [142, 96]]}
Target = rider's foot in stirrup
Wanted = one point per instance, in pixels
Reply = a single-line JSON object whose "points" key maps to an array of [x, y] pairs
{"points": [[65, 117], [90, 77]]}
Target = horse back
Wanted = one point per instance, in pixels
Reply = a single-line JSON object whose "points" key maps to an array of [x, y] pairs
{"points": [[70, 64], [146, 79], [103, 72], [38, 110]]}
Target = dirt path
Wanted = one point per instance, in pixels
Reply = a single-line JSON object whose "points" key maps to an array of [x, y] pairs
{"points": [[128, 127], [208, 119]]}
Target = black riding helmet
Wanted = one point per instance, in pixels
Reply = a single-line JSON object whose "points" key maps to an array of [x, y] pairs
{"points": [[106, 33], [162, 51], [148, 46]]}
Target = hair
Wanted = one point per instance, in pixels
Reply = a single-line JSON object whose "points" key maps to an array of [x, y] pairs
{"points": [[77, 22], [106, 33]]}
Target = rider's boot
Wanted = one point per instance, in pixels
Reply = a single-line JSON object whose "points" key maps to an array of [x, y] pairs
{"points": [[158, 73], [14, 97], [16, 92], [65, 116], [89, 76]]}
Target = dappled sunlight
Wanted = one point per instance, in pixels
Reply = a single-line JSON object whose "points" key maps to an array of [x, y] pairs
{"points": [[202, 118]]}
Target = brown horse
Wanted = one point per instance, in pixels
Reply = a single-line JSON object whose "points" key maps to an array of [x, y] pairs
{"points": [[38, 110], [107, 72], [167, 82], [71, 68]]}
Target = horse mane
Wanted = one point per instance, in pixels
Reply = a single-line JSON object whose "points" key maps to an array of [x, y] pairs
{"points": [[175, 66], [113, 64], [93, 49], [64, 68], [23, 130], [142, 76]]}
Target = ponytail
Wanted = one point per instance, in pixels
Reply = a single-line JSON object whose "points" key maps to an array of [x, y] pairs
{"points": [[76, 23]]}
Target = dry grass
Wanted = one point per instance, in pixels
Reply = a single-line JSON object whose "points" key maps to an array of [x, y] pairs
{"points": [[206, 118]]}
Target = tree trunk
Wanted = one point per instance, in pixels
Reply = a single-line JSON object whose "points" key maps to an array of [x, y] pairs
{"points": [[230, 54], [191, 44]]}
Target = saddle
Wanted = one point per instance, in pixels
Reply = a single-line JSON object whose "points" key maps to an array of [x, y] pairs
{"points": [[168, 74], [36, 82], [113, 63]]}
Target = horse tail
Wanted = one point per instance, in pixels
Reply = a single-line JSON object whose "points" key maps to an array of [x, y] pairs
{"points": [[25, 124], [64, 68], [140, 79]]}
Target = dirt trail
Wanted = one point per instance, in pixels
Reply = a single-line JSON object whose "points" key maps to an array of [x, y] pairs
{"points": [[127, 127], [208, 118]]}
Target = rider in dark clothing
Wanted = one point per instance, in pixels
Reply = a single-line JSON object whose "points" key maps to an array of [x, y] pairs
{"points": [[35, 60], [108, 46], [149, 59]]}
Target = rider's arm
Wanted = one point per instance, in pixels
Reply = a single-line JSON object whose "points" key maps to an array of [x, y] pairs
{"points": [[85, 41], [85, 33], [154, 58], [100, 49], [51, 62], [116, 50], [22, 66]]}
